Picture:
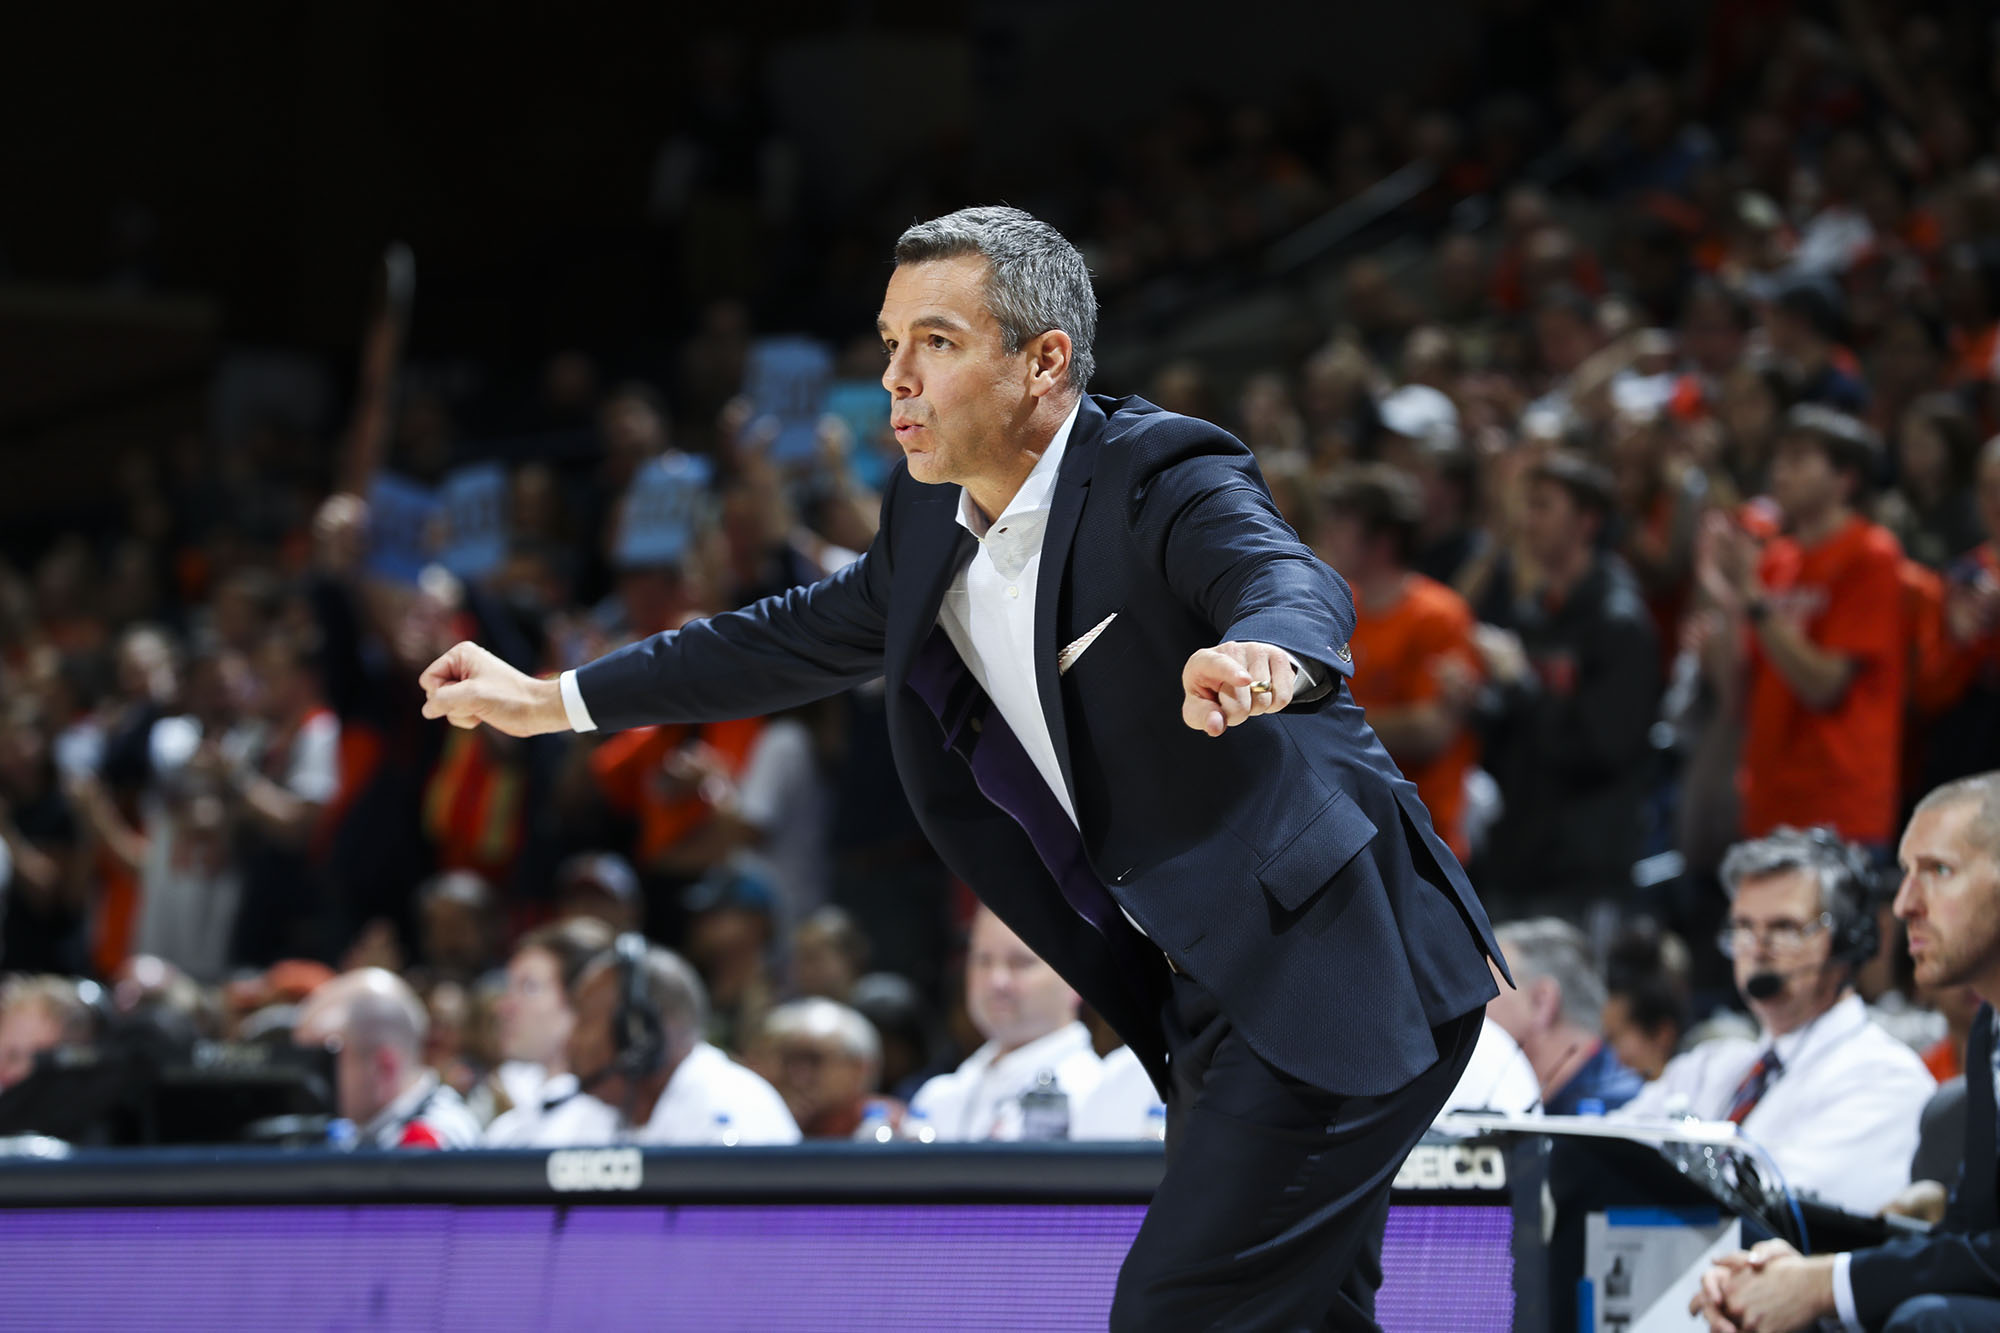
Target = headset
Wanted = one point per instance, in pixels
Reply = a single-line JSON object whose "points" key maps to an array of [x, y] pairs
{"points": [[1857, 935], [638, 1035]]}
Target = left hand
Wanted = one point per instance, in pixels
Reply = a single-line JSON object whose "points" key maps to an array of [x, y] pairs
{"points": [[1770, 1289], [1215, 685]]}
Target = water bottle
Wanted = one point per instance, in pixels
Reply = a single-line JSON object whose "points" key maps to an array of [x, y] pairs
{"points": [[917, 1126], [1044, 1110], [875, 1126], [1155, 1128], [1590, 1106], [341, 1134], [725, 1130]]}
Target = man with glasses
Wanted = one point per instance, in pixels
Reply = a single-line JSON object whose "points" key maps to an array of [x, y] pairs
{"points": [[1833, 1097]]}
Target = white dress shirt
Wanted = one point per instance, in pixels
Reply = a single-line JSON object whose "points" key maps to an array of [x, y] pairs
{"points": [[709, 1100], [1125, 1105], [440, 1109], [1840, 1120], [1498, 1078], [979, 1100], [517, 1126]]}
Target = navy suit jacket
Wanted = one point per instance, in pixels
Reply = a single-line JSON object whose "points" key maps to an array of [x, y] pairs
{"points": [[1963, 1257], [1286, 866]]}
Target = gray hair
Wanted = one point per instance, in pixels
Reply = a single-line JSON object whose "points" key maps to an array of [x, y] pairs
{"points": [[1035, 279], [816, 1017], [1981, 787], [674, 990], [1845, 883], [1546, 946]]}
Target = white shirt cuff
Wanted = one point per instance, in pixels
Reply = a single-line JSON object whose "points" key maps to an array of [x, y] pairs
{"points": [[1843, 1295], [1305, 689], [572, 697]]}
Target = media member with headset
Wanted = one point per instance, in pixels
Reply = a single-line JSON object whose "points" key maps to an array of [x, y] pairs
{"points": [[643, 1073], [1949, 1281], [1834, 1098]]}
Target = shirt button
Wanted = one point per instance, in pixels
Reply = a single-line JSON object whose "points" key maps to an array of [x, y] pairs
{"points": [[1013, 591]]}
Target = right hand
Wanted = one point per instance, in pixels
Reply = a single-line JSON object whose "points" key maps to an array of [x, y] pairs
{"points": [[1924, 1200], [468, 686]]}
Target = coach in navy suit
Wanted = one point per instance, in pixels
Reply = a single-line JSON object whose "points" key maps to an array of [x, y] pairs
{"points": [[1116, 699], [1948, 1282]]}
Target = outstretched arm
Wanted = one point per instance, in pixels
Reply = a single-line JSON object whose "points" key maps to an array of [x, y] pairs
{"points": [[789, 649]]}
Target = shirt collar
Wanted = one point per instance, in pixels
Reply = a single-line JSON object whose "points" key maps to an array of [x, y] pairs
{"points": [[402, 1110], [1848, 1016], [1033, 497], [1044, 1052]]}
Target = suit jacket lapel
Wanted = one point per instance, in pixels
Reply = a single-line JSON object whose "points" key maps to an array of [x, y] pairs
{"points": [[940, 549], [1066, 509]]}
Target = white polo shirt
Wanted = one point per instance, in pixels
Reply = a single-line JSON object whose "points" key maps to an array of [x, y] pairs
{"points": [[980, 1099]]}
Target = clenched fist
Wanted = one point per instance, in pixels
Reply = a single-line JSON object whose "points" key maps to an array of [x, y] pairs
{"points": [[468, 686]]}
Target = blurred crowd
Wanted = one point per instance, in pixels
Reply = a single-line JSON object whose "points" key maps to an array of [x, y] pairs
{"points": [[1657, 441]]}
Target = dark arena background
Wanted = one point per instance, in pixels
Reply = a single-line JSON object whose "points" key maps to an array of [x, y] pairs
{"points": [[1636, 364]]}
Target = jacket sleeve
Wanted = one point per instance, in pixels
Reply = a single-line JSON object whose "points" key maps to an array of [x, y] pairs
{"points": [[1961, 1265], [785, 650], [1200, 507]]}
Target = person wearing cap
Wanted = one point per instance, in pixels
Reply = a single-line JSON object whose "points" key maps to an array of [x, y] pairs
{"points": [[1814, 639], [601, 885], [1416, 671], [731, 921], [1113, 683], [1568, 648], [1804, 326]]}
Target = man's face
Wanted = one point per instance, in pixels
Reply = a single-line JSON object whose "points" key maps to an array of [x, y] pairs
{"points": [[816, 1074], [1524, 1012], [535, 1017], [591, 1043], [1950, 898], [1014, 997], [1804, 481], [1646, 1050], [1553, 525], [1776, 922], [26, 1030], [957, 394], [819, 965]]}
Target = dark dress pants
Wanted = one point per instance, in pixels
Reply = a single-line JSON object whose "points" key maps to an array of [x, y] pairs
{"points": [[1276, 1194]]}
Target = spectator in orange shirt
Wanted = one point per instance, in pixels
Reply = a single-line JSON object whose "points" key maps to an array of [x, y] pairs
{"points": [[1415, 666], [1819, 620], [1962, 694]]}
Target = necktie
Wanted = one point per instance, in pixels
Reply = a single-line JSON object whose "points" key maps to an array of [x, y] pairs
{"points": [[1754, 1085], [1008, 778]]}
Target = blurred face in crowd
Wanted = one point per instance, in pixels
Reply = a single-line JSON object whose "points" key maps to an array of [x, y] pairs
{"points": [[1710, 335], [1922, 457], [816, 1074], [534, 1012], [820, 965], [1637, 1047], [1563, 338], [1527, 1011], [1014, 997], [1776, 923], [26, 1030], [1804, 481], [1950, 898], [960, 400], [592, 1046], [1554, 527], [726, 944]]}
